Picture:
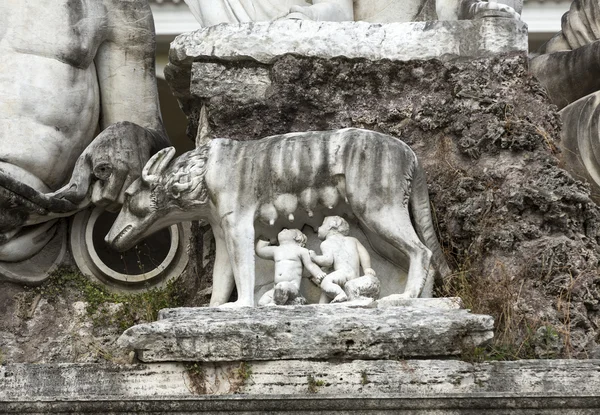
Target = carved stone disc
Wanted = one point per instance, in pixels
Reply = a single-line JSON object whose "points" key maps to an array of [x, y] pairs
{"points": [[151, 263]]}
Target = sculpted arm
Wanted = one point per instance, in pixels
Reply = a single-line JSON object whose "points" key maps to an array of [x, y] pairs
{"points": [[314, 270], [264, 251], [131, 124], [324, 260]]}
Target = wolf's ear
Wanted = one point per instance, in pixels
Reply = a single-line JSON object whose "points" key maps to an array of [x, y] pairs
{"points": [[157, 165]]}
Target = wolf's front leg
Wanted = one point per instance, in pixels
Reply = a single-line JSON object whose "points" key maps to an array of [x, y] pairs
{"points": [[238, 231], [223, 281]]}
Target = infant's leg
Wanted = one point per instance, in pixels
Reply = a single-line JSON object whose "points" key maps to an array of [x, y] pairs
{"points": [[332, 286], [267, 298], [284, 291]]}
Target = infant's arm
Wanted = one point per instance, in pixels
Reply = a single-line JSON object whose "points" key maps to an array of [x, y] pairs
{"points": [[364, 257], [314, 269], [264, 251], [324, 260]]}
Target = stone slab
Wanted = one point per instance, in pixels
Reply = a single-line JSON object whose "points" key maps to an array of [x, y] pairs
{"points": [[306, 332], [417, 387], [261, 43], [396, 300], [264, 41], [213, 80]]}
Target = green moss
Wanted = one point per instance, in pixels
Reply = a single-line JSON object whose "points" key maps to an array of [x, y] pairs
{"points": [[244, 371], [197, 377], [314, 384], [133, 308], [363, 378]]}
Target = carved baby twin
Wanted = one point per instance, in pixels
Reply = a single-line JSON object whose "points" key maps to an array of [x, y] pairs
{"points": [[343, 254]]}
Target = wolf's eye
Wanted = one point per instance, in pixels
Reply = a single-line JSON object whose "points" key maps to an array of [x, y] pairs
{"points": [[139, 206]]}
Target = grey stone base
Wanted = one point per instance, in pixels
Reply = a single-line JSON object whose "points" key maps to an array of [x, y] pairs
{"points": [[408, 387], [263, 42], [315, 332]]}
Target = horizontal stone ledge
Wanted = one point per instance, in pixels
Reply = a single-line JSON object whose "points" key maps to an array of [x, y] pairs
{"points": [[543, 386], [262, 43], [315, 332], [437, 405]]}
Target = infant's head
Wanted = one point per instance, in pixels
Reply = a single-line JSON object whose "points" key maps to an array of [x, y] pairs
{"points": [[292, 235], [333, 223]]}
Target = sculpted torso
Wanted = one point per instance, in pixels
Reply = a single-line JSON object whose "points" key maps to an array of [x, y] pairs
{"points": [[49, 95]]}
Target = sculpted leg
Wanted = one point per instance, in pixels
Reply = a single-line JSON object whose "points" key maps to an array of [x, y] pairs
{"points": [[471, 9], [331, 286], [223, 281], [267, 298], [420, 267], [396, 228], [28, 242], [325, 10], [239, 237], [285, 292]]}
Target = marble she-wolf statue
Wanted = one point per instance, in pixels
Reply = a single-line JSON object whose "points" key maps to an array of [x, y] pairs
{"points": [[300, 177]]}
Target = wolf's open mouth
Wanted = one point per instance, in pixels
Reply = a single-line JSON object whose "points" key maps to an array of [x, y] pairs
{"points": [[122, 233]]}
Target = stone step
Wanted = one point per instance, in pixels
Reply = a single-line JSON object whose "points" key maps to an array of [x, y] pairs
{"points": [[315, 332], [300, 387]]}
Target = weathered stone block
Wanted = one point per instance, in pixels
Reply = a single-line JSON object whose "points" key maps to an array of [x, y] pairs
{"points": [[216, 80], [358, 387], [306, 332], [264, 42], [396, 300]]}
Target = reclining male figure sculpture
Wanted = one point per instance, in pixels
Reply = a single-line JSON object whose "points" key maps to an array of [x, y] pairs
{"points": [[71, 68]]}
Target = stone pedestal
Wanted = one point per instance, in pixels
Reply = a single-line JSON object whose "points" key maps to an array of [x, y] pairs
{"points": [[311, 332]]}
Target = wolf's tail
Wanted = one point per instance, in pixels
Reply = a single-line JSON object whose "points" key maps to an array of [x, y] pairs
{"points": [[421, 212]]}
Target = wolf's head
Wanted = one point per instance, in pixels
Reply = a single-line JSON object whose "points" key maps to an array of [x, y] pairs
{"points": [[165, 194]]}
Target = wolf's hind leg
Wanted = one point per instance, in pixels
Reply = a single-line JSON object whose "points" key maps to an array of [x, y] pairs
{"points": [[395, 228]]}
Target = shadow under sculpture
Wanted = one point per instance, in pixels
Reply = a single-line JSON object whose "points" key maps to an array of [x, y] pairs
{"points": [[237, 185], [59, 86]]}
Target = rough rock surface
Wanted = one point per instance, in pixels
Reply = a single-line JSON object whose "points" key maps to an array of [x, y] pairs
{"points": [[263, 42], [520, 233], [50, 331], [312, 332]]}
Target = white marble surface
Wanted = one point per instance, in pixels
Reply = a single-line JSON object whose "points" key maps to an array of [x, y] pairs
{"points": [[312, 332], [267, 191], [264, 42]]}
